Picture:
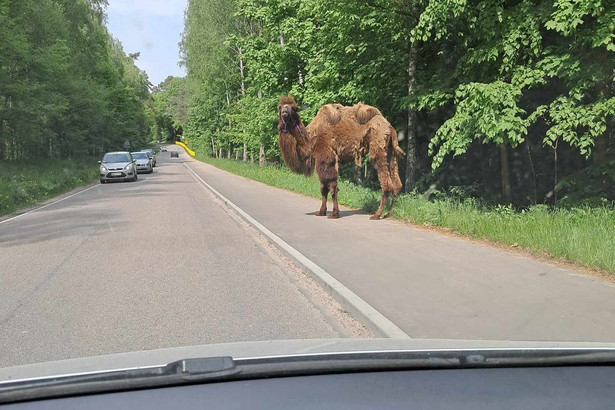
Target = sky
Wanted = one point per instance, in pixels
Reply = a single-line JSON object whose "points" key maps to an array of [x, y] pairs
{"points": [[153, 28]]}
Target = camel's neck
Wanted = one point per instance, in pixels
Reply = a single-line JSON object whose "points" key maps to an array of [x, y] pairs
{"points": [[292, 126], [295, 147]]}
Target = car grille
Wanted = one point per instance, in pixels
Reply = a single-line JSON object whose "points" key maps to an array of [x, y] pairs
{"points": [[122, 175]]}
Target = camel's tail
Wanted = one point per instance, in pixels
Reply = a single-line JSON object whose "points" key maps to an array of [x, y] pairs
{"points": [[394, 151]]}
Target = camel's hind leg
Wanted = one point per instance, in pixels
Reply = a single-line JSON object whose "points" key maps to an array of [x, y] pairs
{"points": [[384, 162], [383, 201], [385, 184], [394, 171]]}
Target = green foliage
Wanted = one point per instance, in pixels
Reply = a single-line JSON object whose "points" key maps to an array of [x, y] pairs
{"points": [[487, 71], [485, 111], [26, 182], [591, 186], [167, 109], [66, 86]]}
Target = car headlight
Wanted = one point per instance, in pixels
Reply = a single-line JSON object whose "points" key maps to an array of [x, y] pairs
{"points": [[103, 168], [128, 166]]}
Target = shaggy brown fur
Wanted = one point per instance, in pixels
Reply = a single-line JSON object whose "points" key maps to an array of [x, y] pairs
{"points": [[337, 135]]}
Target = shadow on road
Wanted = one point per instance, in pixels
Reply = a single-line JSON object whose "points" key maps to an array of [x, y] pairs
{"points": [[41, 227], [342, 213]]}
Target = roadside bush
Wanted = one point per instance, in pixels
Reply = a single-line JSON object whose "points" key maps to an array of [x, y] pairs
{"points": [[24, 183]]}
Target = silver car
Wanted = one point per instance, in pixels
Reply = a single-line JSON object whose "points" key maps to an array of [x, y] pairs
{"points": [[118, 166], [152, 155], [144, 162]]}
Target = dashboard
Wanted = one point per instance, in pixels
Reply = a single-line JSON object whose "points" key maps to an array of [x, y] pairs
{"points": [[566, 387]]}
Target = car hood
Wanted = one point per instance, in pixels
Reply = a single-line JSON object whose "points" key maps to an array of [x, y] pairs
{"points": [[115, 164], [281, 348], [142, 161]]}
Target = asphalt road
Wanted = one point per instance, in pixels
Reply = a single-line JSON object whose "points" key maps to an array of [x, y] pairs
{"points": [[156, 263], [162, 262], [431, 285]]}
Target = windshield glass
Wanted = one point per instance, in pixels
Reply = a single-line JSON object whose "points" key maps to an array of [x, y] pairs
{"points": [[355, 169], [116, 158]]}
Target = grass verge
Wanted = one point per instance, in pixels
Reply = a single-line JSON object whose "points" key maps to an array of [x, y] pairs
{"points": [[25, 183], [584, 236]]}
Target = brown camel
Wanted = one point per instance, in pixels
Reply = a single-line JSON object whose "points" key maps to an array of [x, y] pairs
{"points": [[337, 135]]}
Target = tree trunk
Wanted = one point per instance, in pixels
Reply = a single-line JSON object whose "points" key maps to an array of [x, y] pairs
{"points": [[412, 165], [529, 155], [358, 174], [241, 72], [505, 173], [555, 173], [228, 152], [213, 148], [600, 149], [245, 151], [262, 161]]}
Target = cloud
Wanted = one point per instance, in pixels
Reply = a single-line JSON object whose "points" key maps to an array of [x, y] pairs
{"points": [[153, 28], [137, 23]]}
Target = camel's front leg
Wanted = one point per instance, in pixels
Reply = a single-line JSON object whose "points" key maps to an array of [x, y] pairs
{"points": [[336, 209], [324, 191]]}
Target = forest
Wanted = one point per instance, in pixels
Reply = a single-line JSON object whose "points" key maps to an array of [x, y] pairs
{"points": [[67, 88], [509, 101]]}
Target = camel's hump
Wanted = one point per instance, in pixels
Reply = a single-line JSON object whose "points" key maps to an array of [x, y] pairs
{"points": [[332, 112], [363, 113]]}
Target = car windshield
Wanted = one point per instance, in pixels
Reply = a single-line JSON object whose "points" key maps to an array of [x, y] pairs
{"points": [[318, 170], [119, 157]]}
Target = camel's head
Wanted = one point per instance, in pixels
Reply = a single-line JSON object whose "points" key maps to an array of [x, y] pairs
{"points": [[287, 110]]}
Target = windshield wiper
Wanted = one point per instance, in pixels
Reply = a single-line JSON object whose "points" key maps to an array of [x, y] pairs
{"points": [[225, 368], [175, 373]]}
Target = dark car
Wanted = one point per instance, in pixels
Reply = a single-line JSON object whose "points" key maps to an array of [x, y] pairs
{"points": [[118, 166]]}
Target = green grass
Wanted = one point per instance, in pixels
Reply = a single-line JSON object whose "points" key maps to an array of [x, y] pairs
{"points": [[25, 183], [585, 236]]}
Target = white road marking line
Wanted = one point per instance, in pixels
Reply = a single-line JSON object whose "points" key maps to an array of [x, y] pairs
{"points": [[45, 206], [358, 307]]}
